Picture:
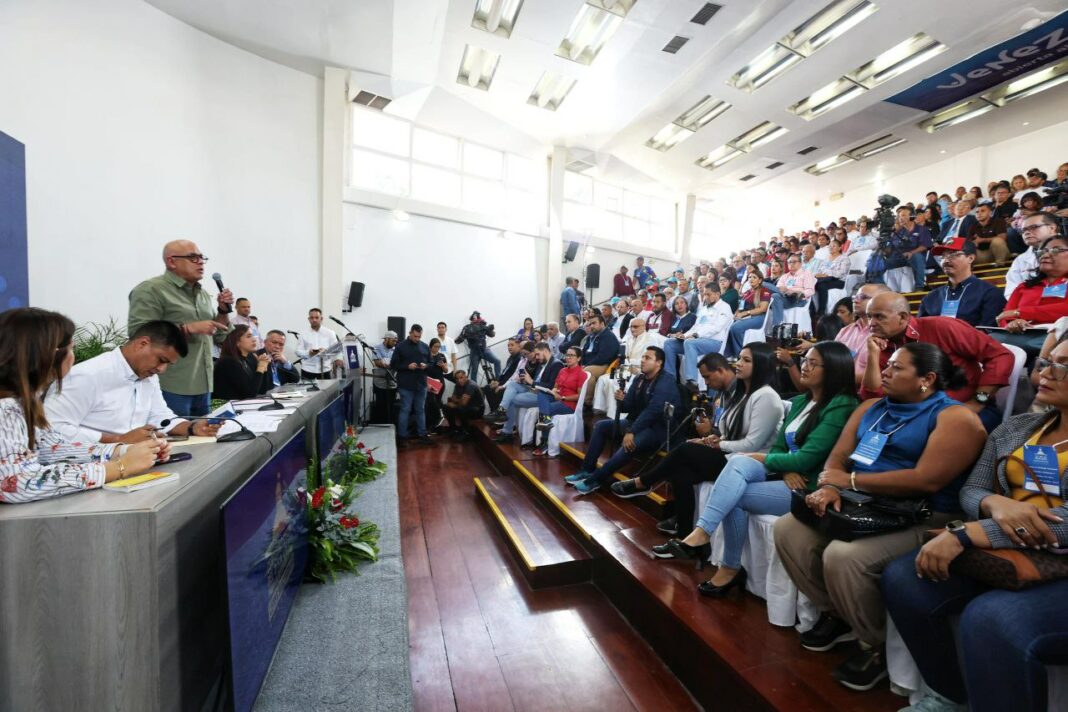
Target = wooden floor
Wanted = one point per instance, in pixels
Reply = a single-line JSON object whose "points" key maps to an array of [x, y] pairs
{"points": [[481, 639]]}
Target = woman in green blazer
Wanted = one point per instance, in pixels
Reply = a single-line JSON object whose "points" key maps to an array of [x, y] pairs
{"points": [[758, 483]]}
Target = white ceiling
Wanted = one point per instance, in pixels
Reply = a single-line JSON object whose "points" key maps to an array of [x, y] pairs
{"points": [[410, 50]]}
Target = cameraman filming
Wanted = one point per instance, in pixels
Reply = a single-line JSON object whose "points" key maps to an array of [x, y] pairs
{"points": [[913, 242], [474, 334]]}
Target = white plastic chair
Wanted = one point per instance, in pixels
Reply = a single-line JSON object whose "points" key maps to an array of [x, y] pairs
{"points": [[800, 316], [833, 295], [1006, 397], [900, 279], [752, 335], [567, 428]]}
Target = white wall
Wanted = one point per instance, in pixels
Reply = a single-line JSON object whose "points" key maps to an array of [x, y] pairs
{"points": [[140, 129]]}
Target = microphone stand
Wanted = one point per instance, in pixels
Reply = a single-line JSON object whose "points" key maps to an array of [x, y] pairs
{"points": [[666, 444], [243, 434], [300, 372]]}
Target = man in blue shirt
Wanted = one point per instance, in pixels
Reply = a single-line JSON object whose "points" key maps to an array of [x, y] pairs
{"points": [[569, 303], [916, 241], [643, 275], [966, 297], [598, 351]]}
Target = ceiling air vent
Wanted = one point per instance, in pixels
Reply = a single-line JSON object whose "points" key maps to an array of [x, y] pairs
{"points": [[366, 98], [705, 13], [751, 176], [675, 44], [806, 151], [774, 165]]}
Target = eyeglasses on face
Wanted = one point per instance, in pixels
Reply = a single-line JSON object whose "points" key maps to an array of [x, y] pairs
{"points": [[193, 257], [1051, 251], [807, 363], [1060, 370], [1033, 228]]}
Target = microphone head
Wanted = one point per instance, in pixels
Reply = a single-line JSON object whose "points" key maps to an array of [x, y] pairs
{"points": [[216, 276]]}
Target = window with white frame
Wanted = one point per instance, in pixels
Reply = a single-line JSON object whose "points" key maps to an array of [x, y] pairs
{"points": [[395, 157], [708, 241], [613, 213]]}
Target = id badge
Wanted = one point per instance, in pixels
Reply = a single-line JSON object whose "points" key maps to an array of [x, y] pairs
{"points": [[1042, 459], [791, 443], [1058, 291], [950, 308], [869, 448]]}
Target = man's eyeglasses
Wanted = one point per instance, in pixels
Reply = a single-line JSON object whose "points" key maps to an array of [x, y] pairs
{"points": [[953, 255], [193, 257], [1051, 251], [1060, 370], [1032, 228]]}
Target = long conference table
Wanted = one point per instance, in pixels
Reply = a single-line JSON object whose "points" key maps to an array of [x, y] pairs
{"points": [[117, 601]]}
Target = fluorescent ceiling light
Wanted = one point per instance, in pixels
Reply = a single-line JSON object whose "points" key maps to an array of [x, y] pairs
{"points": [[829, 164], [871, 148], [588, 33], [766, 66], [618, 7], [551, 90], [400, 215], [1029, 85], [897, 60], [828, 24], [956, 115], [701, 113], [496, 16], [757, 136], [477, 67], [669, 137], [720, 156], [826, 98]]}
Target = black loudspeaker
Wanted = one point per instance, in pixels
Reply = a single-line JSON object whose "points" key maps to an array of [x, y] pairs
{"points": [[571, 251], [397, 324], [593, 276], [356, 294]]}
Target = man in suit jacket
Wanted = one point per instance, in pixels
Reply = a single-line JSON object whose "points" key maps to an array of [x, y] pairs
{"points": [[598, 352], [962, 223], [279, 370], [575, 333], [544, 377]]}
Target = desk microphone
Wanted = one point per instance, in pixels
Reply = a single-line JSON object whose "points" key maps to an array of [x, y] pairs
{"points": [[224, 308], [243, 434], [341, 324], [293, 332]]}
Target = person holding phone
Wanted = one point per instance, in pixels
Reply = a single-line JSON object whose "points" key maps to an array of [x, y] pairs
{"points": [[410, 361]]}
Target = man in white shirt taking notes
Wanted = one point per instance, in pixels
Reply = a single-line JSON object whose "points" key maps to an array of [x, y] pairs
{"points": [[115, 397], [312, 343]]}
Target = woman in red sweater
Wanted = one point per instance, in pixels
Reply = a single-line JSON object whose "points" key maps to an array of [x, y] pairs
{"points": [[1043, 299], [565, 394]]}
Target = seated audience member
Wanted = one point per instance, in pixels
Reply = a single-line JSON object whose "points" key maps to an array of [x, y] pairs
{"points": [[960, 225], [827, 327], [795, 287], [686, 293], [1006, 637], [116, 398], [864, 240], [622, 284], [1036, 230], [621, 326], [964, 296], [915, 242], [707, 335], [599, 350], [748, 415], [835, 270], [659, 320], [683, 319], [495, 389], [36, 461], [527, 332], [750, 315], [575, 333], [757, 483], [464, 405], [508, 388], [988, 234], [639, 307], [916, 442], [1042, 299], [436, 369], [239, 372], [986, 363], [644, 429], [563, 400], [727, 291], [544, 374], [809, 262], [279, 370], [639, 339], [609, 316], [554, 338]]}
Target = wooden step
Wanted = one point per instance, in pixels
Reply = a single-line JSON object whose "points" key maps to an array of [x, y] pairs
{"points": [[657, 504], [545, 553]]}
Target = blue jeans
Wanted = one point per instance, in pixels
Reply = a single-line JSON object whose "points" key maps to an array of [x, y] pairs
{"points": [[528, 399], [693, 350], [511, 390], [736, 338], [779, 303], [741, 489], [646, 442], [409, 399], [199, 404], [673, 349], [1007, 637], [475, 361], [547, 405], [918, 262]]}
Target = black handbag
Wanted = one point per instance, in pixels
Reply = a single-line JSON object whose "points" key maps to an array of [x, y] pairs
{"points": [[862, 514]]}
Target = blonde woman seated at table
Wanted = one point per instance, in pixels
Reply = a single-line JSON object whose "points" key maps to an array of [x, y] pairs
{"points": [[37, 462]]}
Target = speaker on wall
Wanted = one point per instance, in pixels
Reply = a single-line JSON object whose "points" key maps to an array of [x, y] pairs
{"points": [[571, 251], [593, 276], [356, 294], [397, 324]]}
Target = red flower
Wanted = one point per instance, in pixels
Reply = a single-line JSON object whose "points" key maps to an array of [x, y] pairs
{"points": [[349, 522], [359, 446], [9, 484], [350, 432], [336, 504], [370, 460], [317, 498]]}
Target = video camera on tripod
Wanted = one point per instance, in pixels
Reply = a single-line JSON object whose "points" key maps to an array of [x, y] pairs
{"points": [[476, 331]]}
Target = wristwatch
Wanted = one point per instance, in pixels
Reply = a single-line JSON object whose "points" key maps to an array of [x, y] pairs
{"points": [[982, 397], [957, 529]]}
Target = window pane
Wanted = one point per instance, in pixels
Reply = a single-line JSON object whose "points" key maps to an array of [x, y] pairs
{"points": [[483, 196], [608, 197], [526, 207], [435, 185], [635, 231], [636, 205], [373, 171], [661, 237], [483, 162], [526, 174], [662, 212], [380, 132], [432, 147], [578, 217], [578, 187], [609, 225]]}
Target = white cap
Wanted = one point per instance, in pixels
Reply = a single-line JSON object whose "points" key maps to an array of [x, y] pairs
{"points": [[390, 335]]}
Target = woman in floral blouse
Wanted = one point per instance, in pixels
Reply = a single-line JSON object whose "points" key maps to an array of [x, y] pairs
{"points": [[37, 462]]}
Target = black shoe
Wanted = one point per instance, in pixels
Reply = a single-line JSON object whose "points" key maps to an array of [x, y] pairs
{"points": [[827, 633], [504, 439], [863, 670], [426, 439], [712, 591], [628, 488], [676, 549], [545, 424], [497, 415], [669, 526], [527, 446]]}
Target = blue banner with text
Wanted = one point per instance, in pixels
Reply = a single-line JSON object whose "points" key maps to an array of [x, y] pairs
{"points": [[14, 267]]}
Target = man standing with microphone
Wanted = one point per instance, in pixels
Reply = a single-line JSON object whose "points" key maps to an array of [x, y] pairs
{"points": [[178, 297], [409, 361]]}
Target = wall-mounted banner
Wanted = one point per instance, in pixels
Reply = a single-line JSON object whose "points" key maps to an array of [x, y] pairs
{"points": [[14, 269], [1016, 56]]}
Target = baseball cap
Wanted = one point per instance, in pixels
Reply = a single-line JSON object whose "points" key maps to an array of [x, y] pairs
{"points": [[956, 244]]}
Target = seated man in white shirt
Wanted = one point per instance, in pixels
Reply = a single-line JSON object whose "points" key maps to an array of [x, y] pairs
{"points": [[1036, 229], [708, 334], [639, 338], [115, 397]]}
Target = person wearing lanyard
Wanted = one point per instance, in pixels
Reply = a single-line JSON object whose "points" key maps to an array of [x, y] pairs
{"points": [[965, 297], [914, 442], [1040, 300]]}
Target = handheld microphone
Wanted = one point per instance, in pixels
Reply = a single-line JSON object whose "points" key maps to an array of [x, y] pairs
{"points": [[224, 308], [341, 324], [243, 434]]}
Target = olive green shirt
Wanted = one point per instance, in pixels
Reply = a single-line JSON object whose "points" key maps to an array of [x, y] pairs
{"points": [[170, 298]]}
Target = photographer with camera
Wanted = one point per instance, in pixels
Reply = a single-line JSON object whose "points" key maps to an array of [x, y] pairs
{"points": [[913, 242], [474, 335]]}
